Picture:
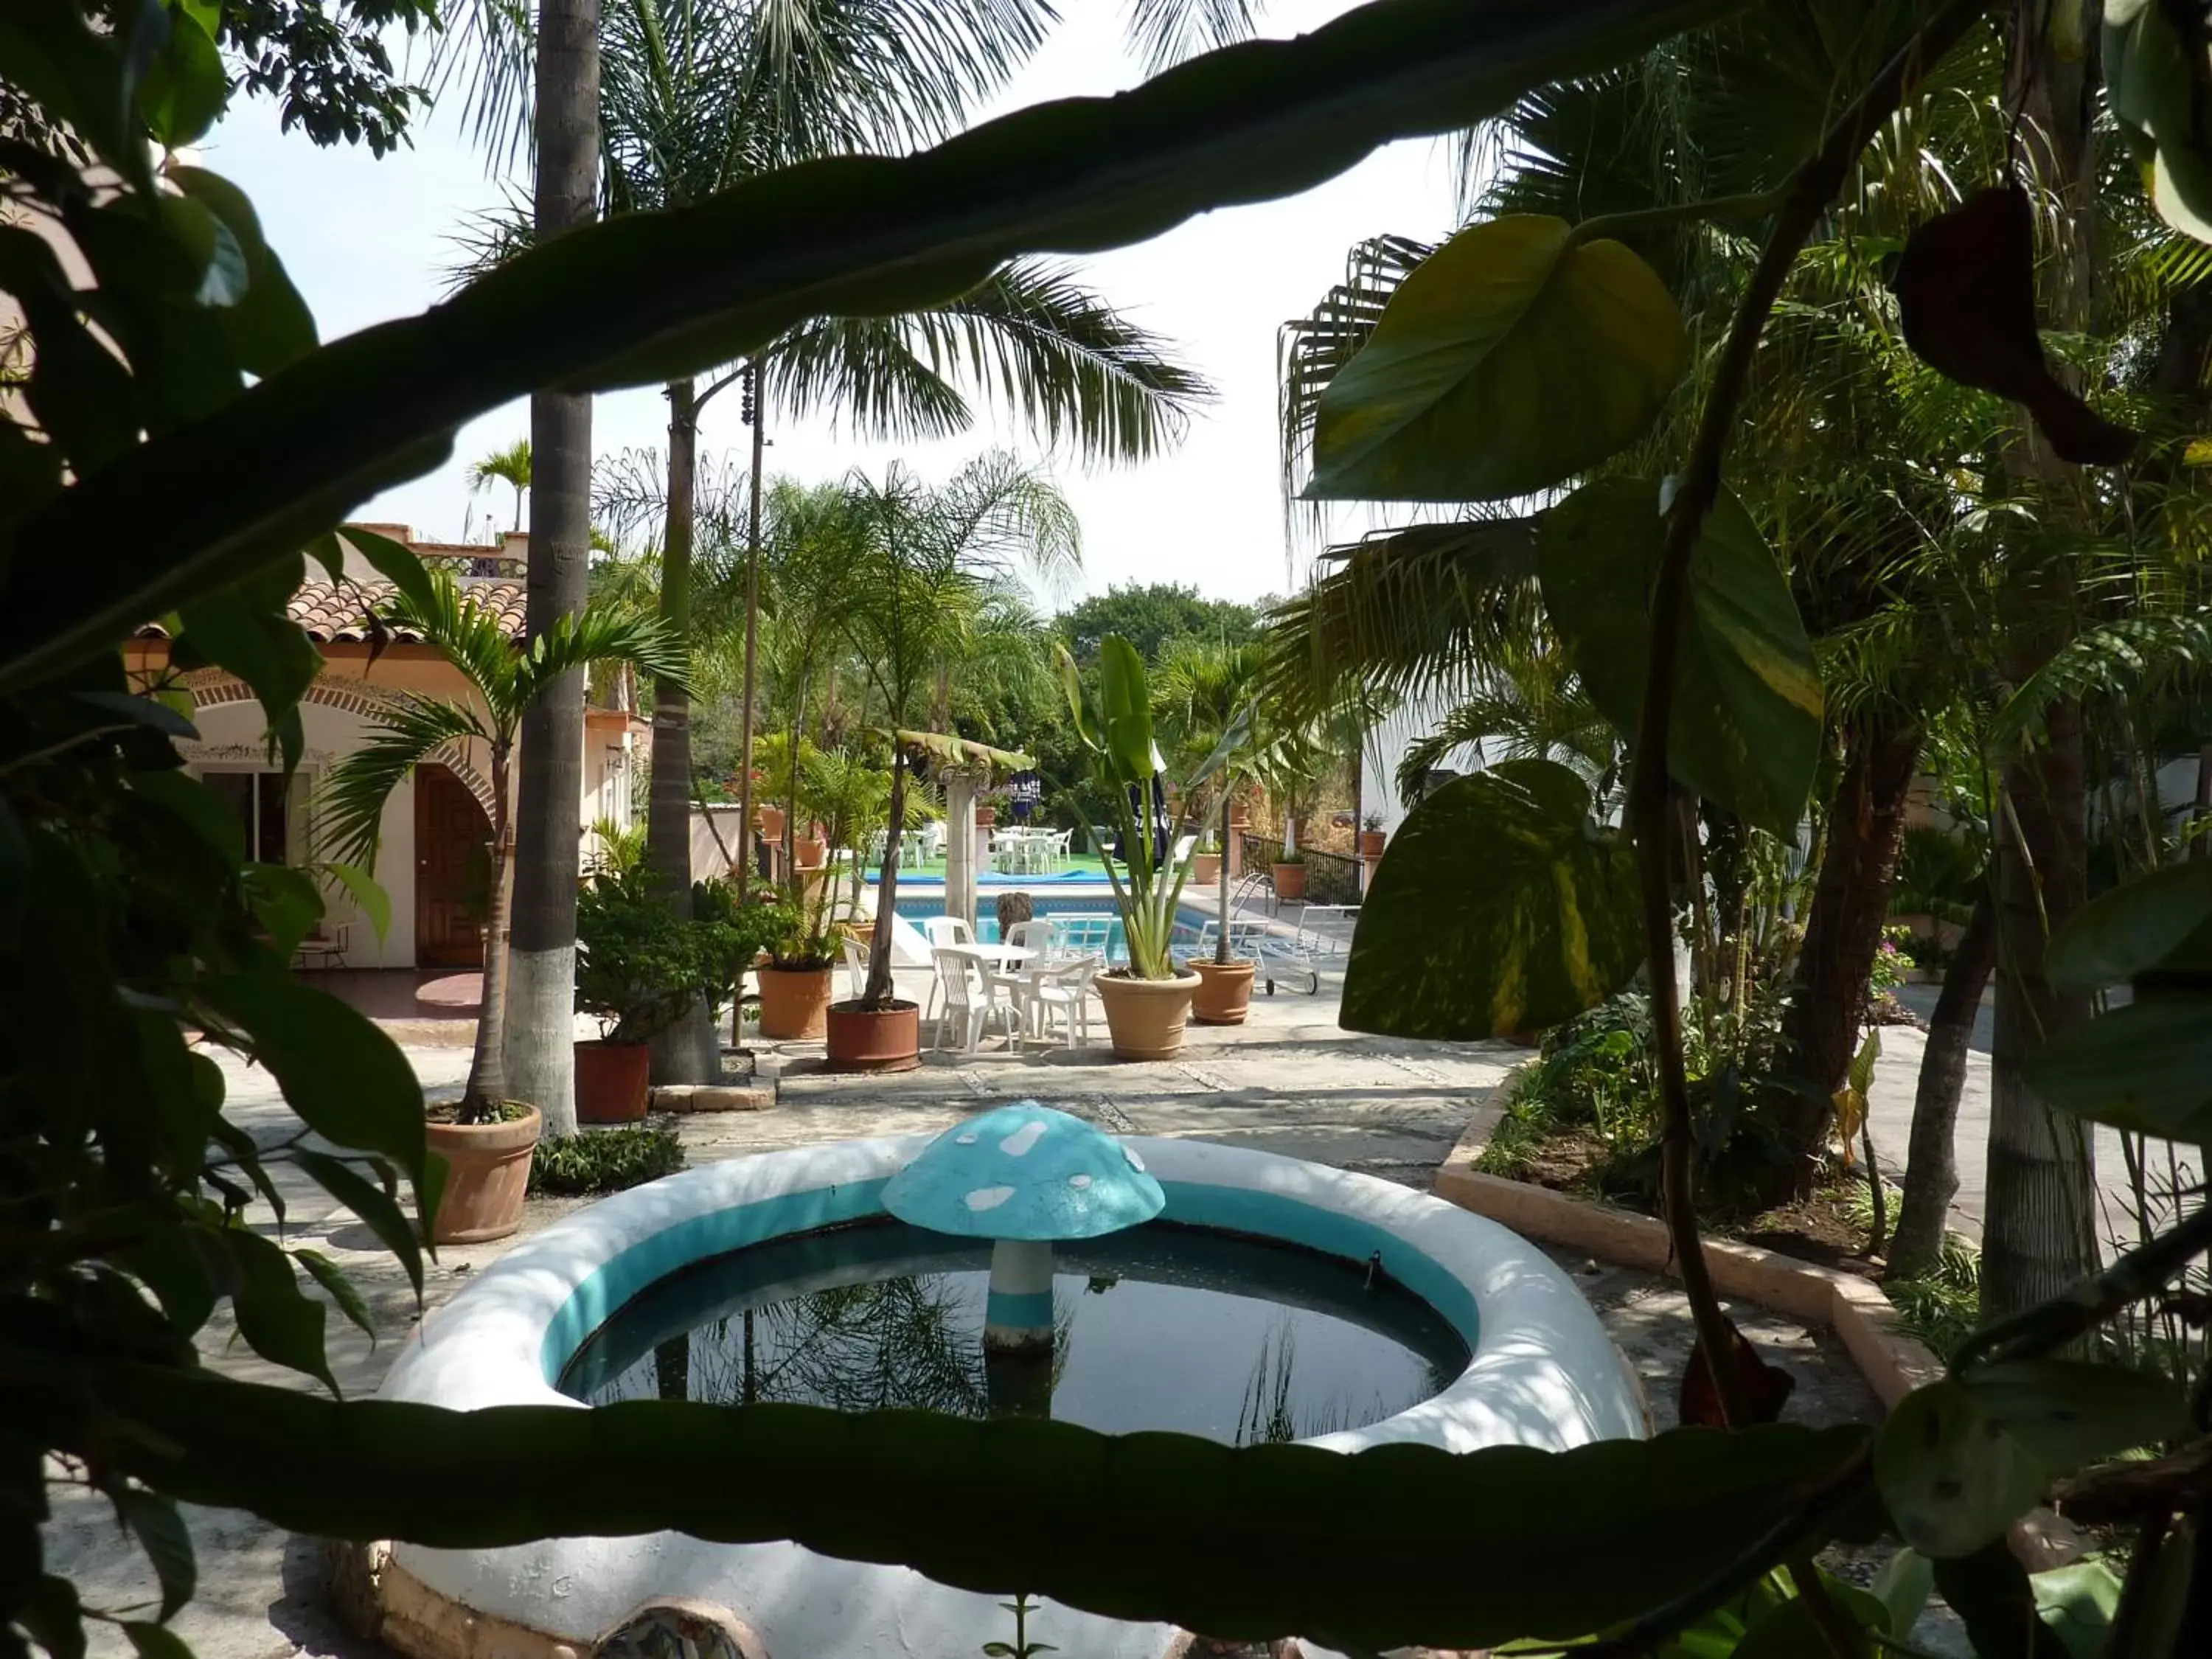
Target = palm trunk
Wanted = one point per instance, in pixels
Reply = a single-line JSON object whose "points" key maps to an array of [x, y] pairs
{"points": [[540, 1058], [2039, 1228], [486, 1085], [879, 986], [2038, 1225], [1221, 884], [758, 416], [1842, 931], [688, 1051], [1931, 1168]]}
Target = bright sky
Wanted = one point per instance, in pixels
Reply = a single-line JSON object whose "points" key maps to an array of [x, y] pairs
{"points": [[366, 239]]}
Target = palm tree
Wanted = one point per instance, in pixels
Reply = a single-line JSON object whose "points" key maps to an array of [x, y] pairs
{"points": [[695, 97], [509, 466], [1206, 700], [929, 567], [415, 727]]}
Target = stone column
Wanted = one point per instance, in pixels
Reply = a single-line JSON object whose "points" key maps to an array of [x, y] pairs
{"points": [[960, 845]]}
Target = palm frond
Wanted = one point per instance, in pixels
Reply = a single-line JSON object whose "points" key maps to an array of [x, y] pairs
{"points": [[600, 634], [488, 49], [1310, 350], [2125, 657], [404, 733], [1165, 32], [470, 636], [1406, 613]]}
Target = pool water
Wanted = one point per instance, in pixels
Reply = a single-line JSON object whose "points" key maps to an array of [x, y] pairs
{"points": [[1161, 1326], [1188, 922]]}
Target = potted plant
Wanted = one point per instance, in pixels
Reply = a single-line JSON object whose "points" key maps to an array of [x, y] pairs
{"points": [[1207, 703], [1370, 836], [1148, 1001], [794, 982], [1206, 862], [929, 563], [486, 1140], [638, 970], [1289, 871]]}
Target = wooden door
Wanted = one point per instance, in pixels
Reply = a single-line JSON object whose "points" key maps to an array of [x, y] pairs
{"points": [[453, 865]]}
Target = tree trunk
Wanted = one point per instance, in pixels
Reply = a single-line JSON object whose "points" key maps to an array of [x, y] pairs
{"points": [[879, 987], [758, 416], [1931, 1167], [1842, 931], [1221, 880], [540, 1055], [689, 1051], [2039, 1231], [487, 1084]]}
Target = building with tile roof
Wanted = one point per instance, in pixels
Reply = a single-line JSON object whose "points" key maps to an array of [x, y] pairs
{"points": [[434, 861]]}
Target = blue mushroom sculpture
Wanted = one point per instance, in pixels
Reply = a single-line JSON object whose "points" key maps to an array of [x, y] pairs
{"points": [[1023, 1176]]}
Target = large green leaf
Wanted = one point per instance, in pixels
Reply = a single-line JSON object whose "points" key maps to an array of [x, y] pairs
{"points": [[2139, 926], [1746, 730], [1960, 1459], [709, 283], [1511, 359], [1990, 1591], [1399, 1545], [345, 1077], [1124, 712], [2157, 101], [1498, 908], [1954, 1478], [2147, 1066]]}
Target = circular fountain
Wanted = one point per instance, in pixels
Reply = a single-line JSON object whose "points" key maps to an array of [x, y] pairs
{"points": [[1020, 1263]]}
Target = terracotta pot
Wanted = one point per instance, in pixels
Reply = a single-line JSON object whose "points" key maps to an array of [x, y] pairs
{"points": [[1146, 1016], [770, 819], [486, 1173], [1205, 869], [795, 1002], [986, 816], [1289, 881], [1371, 843], [1225, 992], [874, 1040], [809, 851], [613, 1080]]}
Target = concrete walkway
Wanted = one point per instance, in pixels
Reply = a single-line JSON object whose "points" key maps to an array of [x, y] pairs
{"points": [[1897, 1076]]}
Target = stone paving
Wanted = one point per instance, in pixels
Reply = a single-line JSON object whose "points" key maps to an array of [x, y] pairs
{"points": [[1288, 1081]]}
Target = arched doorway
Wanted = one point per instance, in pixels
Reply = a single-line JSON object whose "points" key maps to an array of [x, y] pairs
{"points": [[453, 870]]}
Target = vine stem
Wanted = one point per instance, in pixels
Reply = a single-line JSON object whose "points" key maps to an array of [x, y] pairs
{"points": [[1811, 189]]}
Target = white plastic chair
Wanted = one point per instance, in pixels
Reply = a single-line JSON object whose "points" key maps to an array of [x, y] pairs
{"points": [[946, 930], [1062, 849], [932, 840], [1034, 935], [856, 968], [971, 1001], [1062, 997]]}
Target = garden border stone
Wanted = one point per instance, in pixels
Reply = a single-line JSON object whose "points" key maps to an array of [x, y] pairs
{"points": [[1893, 1361]]}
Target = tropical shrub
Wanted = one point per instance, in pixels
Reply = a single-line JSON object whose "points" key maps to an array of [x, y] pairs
{"points": [[610, 1160]]}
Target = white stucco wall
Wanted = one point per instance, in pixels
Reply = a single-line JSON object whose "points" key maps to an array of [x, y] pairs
{"points": [[235, 738]]}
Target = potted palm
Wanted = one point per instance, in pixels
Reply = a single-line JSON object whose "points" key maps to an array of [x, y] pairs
{"points": [[486, 1140], [931, 571], [1370, 836], [1148, 1001], [639, 969], [1207, 703]]}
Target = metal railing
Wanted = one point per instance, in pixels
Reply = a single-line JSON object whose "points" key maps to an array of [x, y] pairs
{"points": [[494, 567], [1331, 877]]}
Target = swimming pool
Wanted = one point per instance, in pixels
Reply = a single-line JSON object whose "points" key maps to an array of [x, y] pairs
{"points": [[1188, 920]]}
